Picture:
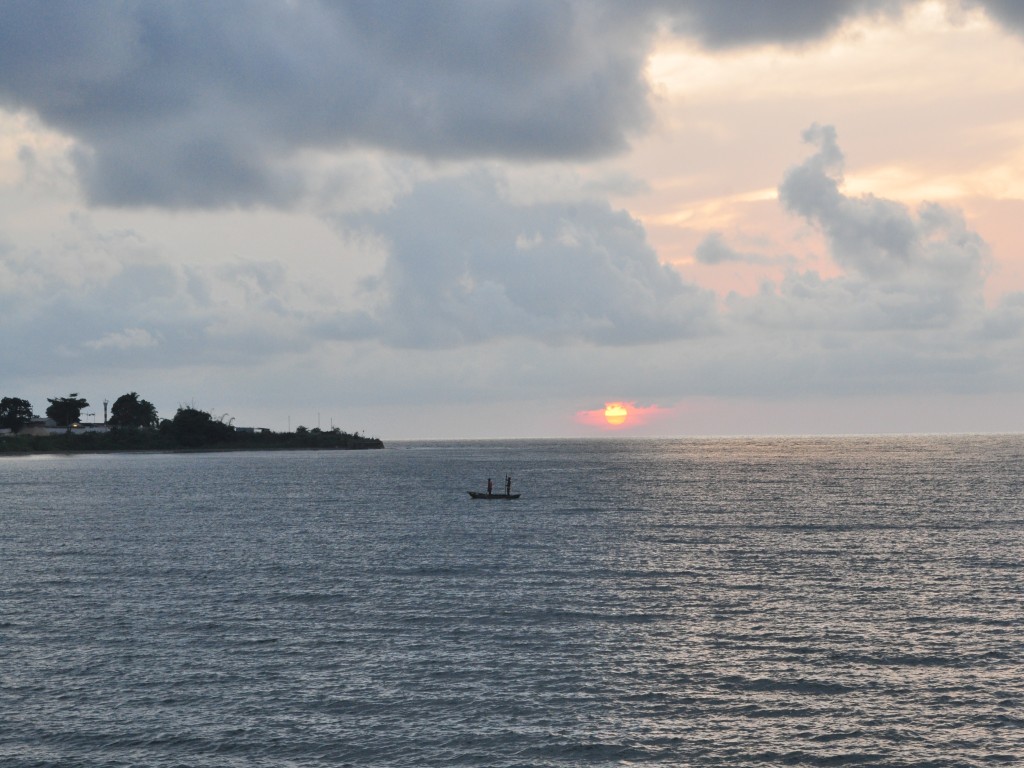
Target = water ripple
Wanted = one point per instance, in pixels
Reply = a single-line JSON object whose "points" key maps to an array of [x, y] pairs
{"points": [[807, 602]]}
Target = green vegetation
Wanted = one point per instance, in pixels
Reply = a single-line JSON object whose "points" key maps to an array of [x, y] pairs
{"points": [[129, 412], [135, 427], [193, 428], [66, 410], [15, 413], [161, 440]]}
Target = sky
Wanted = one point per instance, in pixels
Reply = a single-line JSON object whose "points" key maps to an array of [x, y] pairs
{"points": [[540, 218]]}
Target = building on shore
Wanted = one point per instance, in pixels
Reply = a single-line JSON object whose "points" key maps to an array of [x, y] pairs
{"points": [[39, 426]]}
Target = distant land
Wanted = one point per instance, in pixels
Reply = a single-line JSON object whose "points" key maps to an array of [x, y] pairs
{"points": [[155, 440], [134, 426]]}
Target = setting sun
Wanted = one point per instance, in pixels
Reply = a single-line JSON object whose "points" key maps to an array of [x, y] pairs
{"points": [[624, 415], [615, 413]]}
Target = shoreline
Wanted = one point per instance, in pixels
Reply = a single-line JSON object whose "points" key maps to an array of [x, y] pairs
{"points": [[157, 451], [114, 442]]}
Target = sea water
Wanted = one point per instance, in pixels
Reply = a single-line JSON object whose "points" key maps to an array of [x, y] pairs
{"points": [[798, 601]]}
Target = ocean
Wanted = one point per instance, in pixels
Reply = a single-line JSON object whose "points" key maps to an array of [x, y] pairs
{"points": [[692, 602]]}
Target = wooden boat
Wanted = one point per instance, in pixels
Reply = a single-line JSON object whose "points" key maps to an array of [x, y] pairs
{"points": [[485, 495], [491, 495]]}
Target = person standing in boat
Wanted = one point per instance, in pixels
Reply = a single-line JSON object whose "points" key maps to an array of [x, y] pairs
{"points": [[490, 486], [508, 485]]}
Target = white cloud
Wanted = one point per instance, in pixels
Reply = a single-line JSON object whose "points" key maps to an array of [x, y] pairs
{"points": [[461, 271], [129, 338]]}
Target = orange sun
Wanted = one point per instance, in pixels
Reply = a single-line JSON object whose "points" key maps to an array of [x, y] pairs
{"points": [[622, 415], [615, 413]]}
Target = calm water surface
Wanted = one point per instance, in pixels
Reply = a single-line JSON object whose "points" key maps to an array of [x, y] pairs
{"points": [[690, 602]]}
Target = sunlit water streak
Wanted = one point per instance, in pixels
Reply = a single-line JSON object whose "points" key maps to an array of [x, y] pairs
{"points": [[852, 601]]}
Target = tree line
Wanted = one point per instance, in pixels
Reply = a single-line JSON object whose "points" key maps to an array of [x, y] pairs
{"points": [[135, 425], [128, 412]]}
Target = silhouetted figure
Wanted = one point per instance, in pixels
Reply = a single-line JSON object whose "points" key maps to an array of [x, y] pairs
{"points": [[490, 486], [508, 485]]}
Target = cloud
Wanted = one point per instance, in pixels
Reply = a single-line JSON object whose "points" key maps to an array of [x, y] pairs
{"points": [[903, 268], [904, 314], [193, 104], [1010, 13], [93, 299], [466, 266], [129, 338], [1005, 323], [751, 22], [713, 250], [181, 104], [740, 23]]}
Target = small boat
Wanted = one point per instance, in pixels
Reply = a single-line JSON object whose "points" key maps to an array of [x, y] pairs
{"points": [[489, 494]]}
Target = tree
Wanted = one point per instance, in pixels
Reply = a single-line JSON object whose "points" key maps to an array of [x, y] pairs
{"points": [[129, 412], [194, 428], [14, 413], [66, 410]]}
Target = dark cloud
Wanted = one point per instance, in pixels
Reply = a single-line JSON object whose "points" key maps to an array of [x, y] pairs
{"points": [[195, 104], [717, 24], [1007, 12], [201, 104], [466, 266]]}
